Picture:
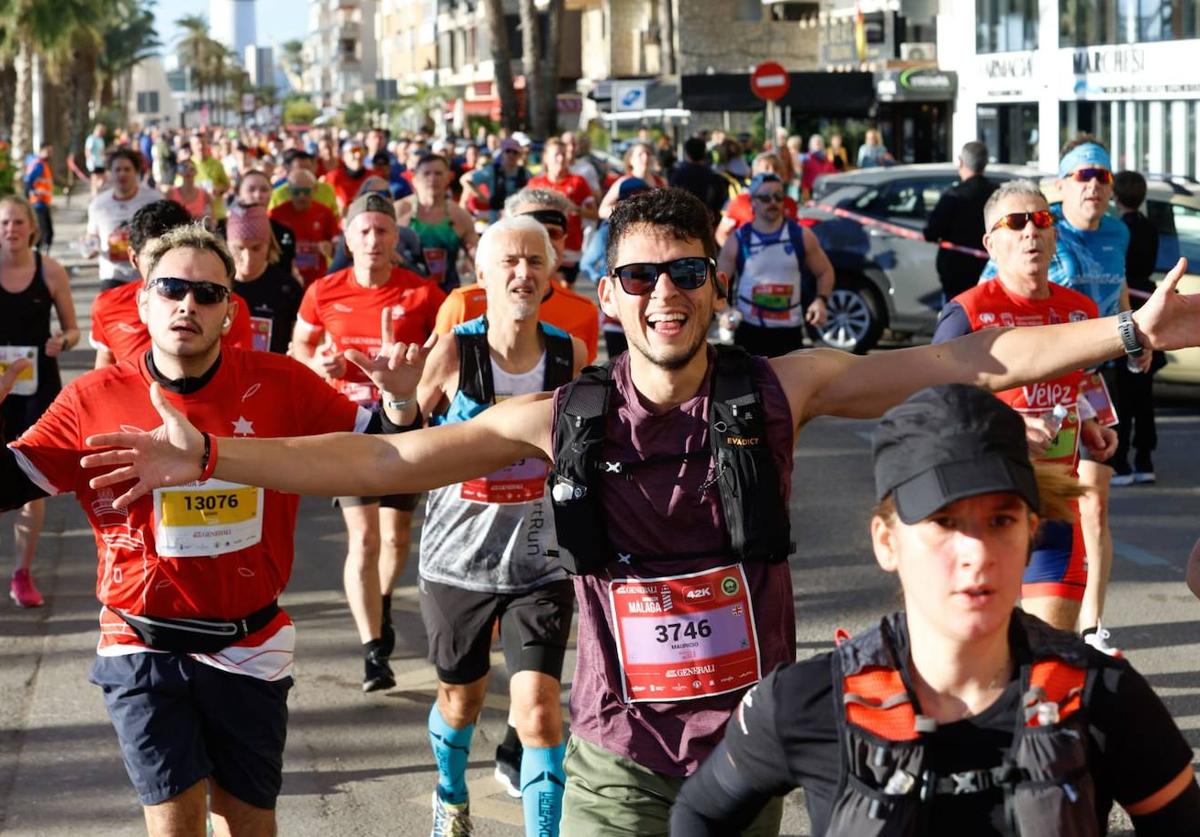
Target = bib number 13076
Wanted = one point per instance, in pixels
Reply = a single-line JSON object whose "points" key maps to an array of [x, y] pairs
{"points": [[686, 636]]}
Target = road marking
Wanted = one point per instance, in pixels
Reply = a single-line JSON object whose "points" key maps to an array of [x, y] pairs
{"points": [[1137, 555]]}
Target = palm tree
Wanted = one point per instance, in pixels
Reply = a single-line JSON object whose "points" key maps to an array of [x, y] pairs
{"points": [[422, 100], [549, 103], [29, 27], [493, 12], [194, 47], [291, 60], [129, 38], [531, 49]]}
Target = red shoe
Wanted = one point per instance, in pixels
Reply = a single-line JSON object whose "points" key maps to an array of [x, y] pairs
{"points": [[22, 590]]}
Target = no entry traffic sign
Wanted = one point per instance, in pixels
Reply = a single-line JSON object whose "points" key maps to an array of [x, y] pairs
{"points": [[770, 81]]}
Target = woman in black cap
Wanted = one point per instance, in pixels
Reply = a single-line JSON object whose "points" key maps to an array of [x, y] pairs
{"points": [[961, 715]]}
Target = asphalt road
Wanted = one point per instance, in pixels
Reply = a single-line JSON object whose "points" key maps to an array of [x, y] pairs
{"points": [[360, 764]]}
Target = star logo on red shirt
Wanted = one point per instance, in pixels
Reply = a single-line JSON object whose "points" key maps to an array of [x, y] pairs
{"points": [[243, 427]]}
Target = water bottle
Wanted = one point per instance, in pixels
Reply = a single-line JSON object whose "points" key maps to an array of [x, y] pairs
{"points": [[727, 325], [1055, 418]]}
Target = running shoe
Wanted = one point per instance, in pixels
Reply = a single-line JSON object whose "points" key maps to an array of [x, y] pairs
{"points": [[1124, 479], [1098, 638], [1143, 477], [450, 819], [23, 592], [377, 674], [508, 769]]}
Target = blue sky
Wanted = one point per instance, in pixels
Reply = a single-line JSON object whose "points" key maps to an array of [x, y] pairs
{"points": [[277, 20]]}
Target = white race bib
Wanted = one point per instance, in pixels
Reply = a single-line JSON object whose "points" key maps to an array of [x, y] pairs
{"points": [[27, 381], [206, 519]]}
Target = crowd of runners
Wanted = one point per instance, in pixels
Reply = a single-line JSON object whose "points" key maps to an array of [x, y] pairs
{"points": [[395, 322]]}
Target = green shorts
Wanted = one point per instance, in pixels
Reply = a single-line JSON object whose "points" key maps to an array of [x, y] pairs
{"points": [[609, 795]]}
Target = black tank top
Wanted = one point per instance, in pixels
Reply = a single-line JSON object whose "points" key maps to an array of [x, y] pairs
{"points": [[25, 321]]}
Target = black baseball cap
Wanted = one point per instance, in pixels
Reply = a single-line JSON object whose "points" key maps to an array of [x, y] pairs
{"points": [[946, 443]]}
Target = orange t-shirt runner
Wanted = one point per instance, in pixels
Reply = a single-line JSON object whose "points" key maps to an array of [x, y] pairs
{"points": [[117, 328], [576, 315], [351, 316], [160, 557]]}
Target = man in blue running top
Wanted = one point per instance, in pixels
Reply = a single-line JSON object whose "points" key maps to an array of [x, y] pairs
{"points": [[1090, 258]]}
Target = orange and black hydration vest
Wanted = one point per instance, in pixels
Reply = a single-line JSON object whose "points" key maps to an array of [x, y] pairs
{"points": [[886, 787]]}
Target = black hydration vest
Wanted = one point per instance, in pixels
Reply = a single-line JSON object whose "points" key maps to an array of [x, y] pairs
{"points": [[756, 516], [885, 786], [475, 363]]}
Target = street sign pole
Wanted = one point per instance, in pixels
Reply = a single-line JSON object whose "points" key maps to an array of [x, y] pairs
{"points": [[770, 82]]}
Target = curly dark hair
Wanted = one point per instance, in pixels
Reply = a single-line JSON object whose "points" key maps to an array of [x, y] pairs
{"points": [[123, 153], [677, 212], [154, 220]]}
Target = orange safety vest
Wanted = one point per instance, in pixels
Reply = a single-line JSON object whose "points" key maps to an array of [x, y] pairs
{"points": [[42, 191]]}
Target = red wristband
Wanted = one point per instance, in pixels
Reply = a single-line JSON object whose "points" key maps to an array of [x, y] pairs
{"points": [[208, 462]]}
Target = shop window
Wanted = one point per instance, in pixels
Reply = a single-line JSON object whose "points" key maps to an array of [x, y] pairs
{"points": [[1006, 25], [1010, 131], [1098, 22]]}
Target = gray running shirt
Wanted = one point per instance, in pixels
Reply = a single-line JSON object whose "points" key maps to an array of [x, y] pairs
{"points": [[494, 534]]}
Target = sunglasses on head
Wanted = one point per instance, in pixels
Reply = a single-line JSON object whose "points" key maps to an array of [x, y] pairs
{"points": [[205, 293], [300, 190], [1104, 176], [1017, 220], [769, 197], [687, 274]]}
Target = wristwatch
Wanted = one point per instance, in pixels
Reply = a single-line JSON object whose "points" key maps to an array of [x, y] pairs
{"points": [[401, 404], [1128, 332]]}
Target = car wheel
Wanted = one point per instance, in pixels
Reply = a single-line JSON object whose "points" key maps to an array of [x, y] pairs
{"points": [[855, 316]]}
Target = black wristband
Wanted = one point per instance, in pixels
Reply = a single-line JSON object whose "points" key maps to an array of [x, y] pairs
{"points": [[388, 426]]}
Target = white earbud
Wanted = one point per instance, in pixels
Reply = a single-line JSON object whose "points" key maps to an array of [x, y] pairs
{"points": [[226, 324]]}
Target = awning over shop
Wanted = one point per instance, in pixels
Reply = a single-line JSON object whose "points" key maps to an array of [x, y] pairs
{"points": [[842, 94]]}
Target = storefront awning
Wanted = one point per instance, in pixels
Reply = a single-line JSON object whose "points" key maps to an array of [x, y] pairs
{"points": [[834, 94]]}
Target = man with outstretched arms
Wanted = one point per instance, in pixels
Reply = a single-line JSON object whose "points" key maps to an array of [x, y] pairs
{"points": [[1020, 240], [364, 307], [684, 594], [488, 551], [195, 655]]}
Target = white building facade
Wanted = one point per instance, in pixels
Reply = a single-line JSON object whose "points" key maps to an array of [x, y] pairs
{"points": [[1034, 73]]}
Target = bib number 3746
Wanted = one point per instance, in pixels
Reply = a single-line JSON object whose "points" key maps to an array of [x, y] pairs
{"points": [[686, 636]]}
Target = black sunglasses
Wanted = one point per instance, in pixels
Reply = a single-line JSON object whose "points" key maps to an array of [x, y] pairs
{"points": [[205, 293], [687, 274], [770, 197]]}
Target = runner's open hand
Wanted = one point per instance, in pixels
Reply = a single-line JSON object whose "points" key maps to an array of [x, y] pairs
{"points": [[168, 455], [1170, 320]]}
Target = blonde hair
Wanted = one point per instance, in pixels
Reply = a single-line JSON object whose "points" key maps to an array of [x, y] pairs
{"points": [[20, 202], [194, 236]]}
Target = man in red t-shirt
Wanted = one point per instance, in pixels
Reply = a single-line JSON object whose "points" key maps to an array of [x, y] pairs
{"points": [[314, 224], [1021, 241], [348, 178], [193, 571], [574, 188], [118, 332], [363, 307]]}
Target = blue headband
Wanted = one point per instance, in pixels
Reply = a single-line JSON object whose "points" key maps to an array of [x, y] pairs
{"points": [[1083, 155]]}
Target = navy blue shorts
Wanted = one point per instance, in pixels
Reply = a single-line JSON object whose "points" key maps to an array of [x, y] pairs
{"points": [[180, 721]]}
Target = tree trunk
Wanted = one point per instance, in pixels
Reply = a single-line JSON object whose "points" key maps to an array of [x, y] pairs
{"points": [[550, 68], [502, 63], [22, 134], [8, 96], [531, 47], [666, 37]]}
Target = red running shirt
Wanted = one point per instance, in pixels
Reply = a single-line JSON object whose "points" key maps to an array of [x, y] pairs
{"points": [[252, 394], [352, 316], [117, 327], [312, 227], [990, 305], [575, 189]]}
